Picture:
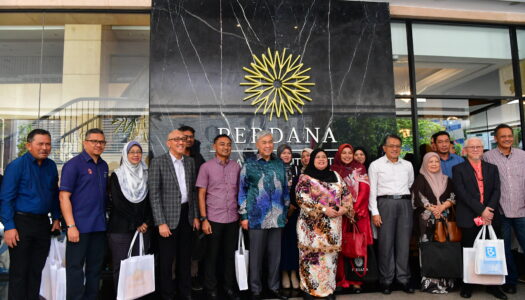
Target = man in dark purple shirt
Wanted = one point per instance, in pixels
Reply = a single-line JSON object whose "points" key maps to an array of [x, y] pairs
{"points": [[83, 201], [218, 186]]}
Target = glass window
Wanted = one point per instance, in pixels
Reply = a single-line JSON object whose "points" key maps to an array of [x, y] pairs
{"points": [[68, 72], [404, 126], [464, 118], [462, 60], [400, 58], [520, 34]]}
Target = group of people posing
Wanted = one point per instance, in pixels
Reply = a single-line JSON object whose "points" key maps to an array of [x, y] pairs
{"points": [[295, 216]]}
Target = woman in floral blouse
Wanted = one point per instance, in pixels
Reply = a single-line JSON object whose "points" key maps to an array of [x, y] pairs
{"points": [[323, 198]]}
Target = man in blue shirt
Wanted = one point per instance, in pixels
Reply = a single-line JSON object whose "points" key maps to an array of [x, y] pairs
{"points": [[29, 193], [83, 202], [441, 140]]}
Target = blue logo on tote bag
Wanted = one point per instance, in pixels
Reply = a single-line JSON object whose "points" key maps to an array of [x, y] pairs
{"points": [[490, 252]]}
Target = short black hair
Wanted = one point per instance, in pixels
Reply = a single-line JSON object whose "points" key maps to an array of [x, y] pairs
{"points": [[221, 136], [31, 135], [392, 136], [501, 126], [439, 133], [93, 131], [187, 128]]}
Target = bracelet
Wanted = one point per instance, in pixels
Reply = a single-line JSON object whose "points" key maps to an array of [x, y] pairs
{"points": [[71, 226]]}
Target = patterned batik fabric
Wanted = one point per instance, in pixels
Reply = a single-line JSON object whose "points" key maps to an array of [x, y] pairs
{"points": [[263, 193], [319, 237]]}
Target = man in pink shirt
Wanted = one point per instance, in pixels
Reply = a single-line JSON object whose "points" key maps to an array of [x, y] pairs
{"points": [[218, 184]]}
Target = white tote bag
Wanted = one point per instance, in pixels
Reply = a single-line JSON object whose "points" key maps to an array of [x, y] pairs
{"points": [[469, 274], [53, 283], [137, 273], [241, 263], [490, 254]]}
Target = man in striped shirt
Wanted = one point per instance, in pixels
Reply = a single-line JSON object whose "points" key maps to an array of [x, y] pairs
{"points": [[511, 166]]}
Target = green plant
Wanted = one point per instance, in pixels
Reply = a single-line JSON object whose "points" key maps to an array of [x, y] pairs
{"points": [[23, 131], [133, 127]]}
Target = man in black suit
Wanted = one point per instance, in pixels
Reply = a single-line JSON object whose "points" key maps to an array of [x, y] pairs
{"points": [[477, 186]]}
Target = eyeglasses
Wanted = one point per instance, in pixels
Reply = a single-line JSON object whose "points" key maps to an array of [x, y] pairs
{"points": [[135, 152], [97, 142], [475, 147], [394, 146], [190, 136], [181, 139]]}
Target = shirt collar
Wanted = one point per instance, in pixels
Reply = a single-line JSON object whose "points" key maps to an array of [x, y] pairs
{"points": [[217, 160], [33, 159], [394, 163], [510, 154], [174, 159], [86, 156], [259, 157]]}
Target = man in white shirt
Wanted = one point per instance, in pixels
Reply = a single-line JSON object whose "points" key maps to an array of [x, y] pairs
{"points": [[390, 180]]}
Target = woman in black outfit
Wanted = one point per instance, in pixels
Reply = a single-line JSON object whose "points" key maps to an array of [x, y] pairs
{"points": [[129, 209]]}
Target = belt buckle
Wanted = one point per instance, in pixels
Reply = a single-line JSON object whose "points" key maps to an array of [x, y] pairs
{"points": [[397, 197]]}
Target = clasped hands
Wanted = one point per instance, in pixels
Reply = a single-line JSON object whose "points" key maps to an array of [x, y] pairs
{"points": [[487, 215], [331, 212], [436, 210]]}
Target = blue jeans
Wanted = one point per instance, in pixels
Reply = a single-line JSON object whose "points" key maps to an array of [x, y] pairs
{"points": [[507, 225]]}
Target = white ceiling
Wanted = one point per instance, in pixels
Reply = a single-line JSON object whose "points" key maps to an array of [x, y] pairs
{"points": [[510, 6]]}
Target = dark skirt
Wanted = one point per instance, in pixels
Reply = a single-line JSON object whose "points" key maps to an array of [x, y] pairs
{"points": [[289, 250]]}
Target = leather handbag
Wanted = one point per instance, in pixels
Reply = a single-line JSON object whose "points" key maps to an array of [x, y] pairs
{"points": [[440, 233], [454, 233], [353, 244], [447, 230]]}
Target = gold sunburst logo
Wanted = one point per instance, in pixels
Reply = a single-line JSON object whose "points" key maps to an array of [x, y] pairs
{"points": [[277, 84]]}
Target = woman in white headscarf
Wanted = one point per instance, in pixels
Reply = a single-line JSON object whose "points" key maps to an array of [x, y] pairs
{"points": [[129, 209]]}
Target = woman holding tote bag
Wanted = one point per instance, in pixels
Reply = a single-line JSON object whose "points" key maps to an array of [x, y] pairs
{"points": [[433, 199], [129, 209]]}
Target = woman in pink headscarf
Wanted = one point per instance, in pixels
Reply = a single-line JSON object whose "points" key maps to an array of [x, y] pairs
{"points": [[356, 178], [432, 198]]}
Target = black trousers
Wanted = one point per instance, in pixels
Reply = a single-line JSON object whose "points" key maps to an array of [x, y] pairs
{"points": [[178, 247], [222, 240], [28, 258], [90, 250]]}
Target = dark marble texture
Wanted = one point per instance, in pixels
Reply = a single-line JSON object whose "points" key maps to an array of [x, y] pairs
{"points": [[199, 49]]}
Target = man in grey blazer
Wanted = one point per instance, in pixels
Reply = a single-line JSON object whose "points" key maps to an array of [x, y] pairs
{"points": [[173, 198]]}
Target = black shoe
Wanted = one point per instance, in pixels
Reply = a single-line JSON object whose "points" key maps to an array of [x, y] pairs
{"points": [[357, 290], [407, 289], [232, 295], [256, 297], [465, 292], [196, 284], [496, 292], [212, 295], [385, 289], [307, 296], [277, 295], [509, 288]]}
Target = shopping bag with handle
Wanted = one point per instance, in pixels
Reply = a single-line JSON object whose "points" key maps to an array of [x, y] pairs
{"points": [[490, 253], [137, 273], [241, 263], [469, 274], [53, 283]]}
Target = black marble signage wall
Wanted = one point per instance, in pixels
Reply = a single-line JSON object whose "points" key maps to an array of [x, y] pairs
{"points": [[199, 50]]}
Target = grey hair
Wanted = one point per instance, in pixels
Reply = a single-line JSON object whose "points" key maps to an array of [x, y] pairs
{"points": [[262, 134], [467, 142]]}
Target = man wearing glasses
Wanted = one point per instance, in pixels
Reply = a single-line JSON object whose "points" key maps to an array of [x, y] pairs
{"points": [[83, 203], [173, 200], [390, 203], [477, 186]]}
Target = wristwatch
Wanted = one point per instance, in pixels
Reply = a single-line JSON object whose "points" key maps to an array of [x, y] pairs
{"points": [[203, 218], [324, 209]]}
